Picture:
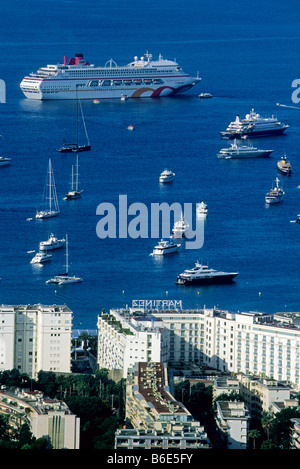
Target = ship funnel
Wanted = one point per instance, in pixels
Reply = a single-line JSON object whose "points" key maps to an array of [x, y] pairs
{"points": [[65, 60]]}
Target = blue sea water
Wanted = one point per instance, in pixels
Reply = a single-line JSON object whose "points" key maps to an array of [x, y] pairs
{"points": [[247, 54]]}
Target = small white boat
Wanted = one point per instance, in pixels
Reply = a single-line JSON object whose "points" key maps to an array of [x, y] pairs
{"points": [[124, 97], [51, 208], [96, 101], [4, 161], [180, 227], [275, 195], [52, 243], [165, 247], [201, 209], [205, 95], [40, 258], [166, 176], [130, 127]]}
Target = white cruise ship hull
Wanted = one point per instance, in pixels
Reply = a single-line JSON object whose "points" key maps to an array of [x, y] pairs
{"points": [[150, 91], [144, 78]]}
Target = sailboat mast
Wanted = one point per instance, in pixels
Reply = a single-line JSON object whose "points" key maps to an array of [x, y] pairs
{"points": [[50, 184], [76, 173], [67, 256]]}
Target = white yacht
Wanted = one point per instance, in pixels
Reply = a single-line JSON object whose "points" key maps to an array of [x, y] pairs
{"points": [[180, 227], [166, 176], [237, 150], [205, 95], [65, 278], [275, 195], [40, 258], [253, 125], [50, 205], [202, 275], [52, 243], [4, 161], [75, 190], [202, 209], [165, 247], [284, 166], [142, 78]]}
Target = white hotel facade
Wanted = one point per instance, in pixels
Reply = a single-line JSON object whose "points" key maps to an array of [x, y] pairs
{"points": [[251, 342]]}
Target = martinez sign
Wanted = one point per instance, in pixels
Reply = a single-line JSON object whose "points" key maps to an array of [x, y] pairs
{"points": [[157, 304]]}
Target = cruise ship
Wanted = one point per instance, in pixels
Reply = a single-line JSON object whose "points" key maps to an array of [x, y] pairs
{"points": [[203, 275], [242, 151], [143, 77], [253, 125]]}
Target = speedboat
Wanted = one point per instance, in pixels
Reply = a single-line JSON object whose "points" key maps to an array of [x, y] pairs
{"points": [[284, 166], [165, 247], [40, 258], [4, 161], [242, 151], [275, 194], [52, 243], [201, 209], [298, 219], [255, 126], [202, 275], [166, 176], [180, 227]]}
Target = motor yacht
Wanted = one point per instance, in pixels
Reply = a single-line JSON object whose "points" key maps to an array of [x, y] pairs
{"points": [[203, 275]]}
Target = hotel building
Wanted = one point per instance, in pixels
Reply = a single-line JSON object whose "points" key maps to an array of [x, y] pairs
{"points": [[248, 342]]}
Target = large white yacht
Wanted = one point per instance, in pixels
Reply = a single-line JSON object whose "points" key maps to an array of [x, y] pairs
{"points": [[166, 176], [237, 150], [180, 227], [52, 243], [202, 275], [143, 77], [165, 247], [253, 125], [275, 195]]}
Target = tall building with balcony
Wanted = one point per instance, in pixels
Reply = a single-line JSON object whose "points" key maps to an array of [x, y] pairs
{"points": [[124, 340], [35, 337], [158, 420]]}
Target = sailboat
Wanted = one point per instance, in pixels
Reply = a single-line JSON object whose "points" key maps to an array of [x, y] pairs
{"points": [[51, 207], [75, 147], [63, 279], [74, 193]]}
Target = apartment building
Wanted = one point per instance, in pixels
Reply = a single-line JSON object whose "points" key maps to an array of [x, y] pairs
{"points": [[35, 337], [233, 420], [50, 418], [158, 420]]}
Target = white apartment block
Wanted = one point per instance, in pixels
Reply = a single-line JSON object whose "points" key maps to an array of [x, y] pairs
{"points": [[248, 342], [233, 420], [35, 338], [124, 340]]}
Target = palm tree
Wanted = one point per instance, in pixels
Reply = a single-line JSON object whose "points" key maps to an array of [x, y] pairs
{"points": [[254, 434], [266, 422]]}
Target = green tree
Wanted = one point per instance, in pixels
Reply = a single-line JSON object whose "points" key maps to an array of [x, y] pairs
{"points": [[266, 422], [254, 435]]}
